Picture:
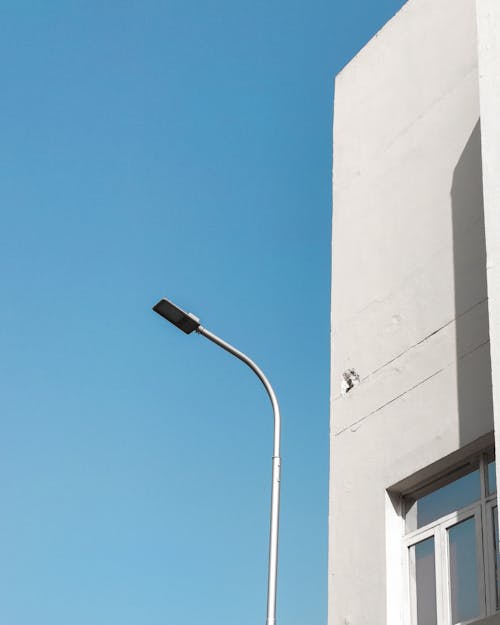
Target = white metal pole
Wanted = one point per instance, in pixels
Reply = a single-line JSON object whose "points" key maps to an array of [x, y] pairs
{"points": [[276, 472]]}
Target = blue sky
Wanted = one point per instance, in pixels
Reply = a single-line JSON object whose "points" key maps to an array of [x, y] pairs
{"points": [[178, 149]]}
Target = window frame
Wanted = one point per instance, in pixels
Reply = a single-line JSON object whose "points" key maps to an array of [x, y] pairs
{"points": [[482, 511], [493, 602]]}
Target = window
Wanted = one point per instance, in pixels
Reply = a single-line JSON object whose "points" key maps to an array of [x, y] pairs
{"points": [[451, 546]]}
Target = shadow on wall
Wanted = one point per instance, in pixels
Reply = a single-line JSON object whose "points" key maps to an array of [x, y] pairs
{"points": [[475, 406]]}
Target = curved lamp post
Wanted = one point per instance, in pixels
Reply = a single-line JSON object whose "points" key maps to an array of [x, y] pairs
{"points": [[188, 323]]}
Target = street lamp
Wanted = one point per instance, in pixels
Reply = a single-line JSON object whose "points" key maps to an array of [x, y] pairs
{"points": [[188, 323]]}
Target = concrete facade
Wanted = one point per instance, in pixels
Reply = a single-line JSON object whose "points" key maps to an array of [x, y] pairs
{"points": [[416, 145]]}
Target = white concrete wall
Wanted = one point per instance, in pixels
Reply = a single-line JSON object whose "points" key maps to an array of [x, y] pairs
{"points": [[488, 22], [409, 293]]}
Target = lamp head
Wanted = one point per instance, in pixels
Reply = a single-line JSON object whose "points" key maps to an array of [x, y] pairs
{"points": [[183, 320]]}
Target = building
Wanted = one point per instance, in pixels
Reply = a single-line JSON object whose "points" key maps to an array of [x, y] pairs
{"points": [[415, 383]]}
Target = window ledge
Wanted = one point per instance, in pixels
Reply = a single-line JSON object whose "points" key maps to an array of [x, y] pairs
{"points": [[489, 620]]}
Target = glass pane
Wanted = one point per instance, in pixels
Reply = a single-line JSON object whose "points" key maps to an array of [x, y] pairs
{"points": [[449, 498], [425, 582], [497, 554], [492, 478], [463, 571]]}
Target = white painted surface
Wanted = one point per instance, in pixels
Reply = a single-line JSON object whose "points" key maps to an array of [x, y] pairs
{"points": [[409, 296], [488, 23]]}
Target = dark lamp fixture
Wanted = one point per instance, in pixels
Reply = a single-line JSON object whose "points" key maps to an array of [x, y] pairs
{"points": [[183, 320]]}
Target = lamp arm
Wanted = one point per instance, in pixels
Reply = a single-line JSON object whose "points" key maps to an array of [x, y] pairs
{"points": [[259, 373]]}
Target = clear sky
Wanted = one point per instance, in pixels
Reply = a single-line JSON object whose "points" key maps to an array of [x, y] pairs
{"points": [[181, 149]]}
